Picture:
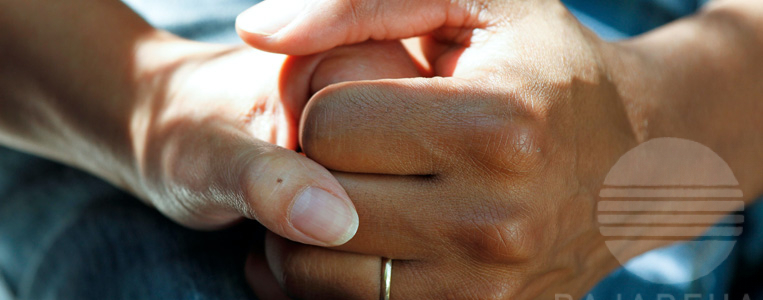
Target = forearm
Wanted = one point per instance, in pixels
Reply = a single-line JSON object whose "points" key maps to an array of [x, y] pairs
{"points": [[69, 80], [700, 79]]}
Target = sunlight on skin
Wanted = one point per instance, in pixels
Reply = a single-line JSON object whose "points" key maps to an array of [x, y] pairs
{"points": [[483, 182]]}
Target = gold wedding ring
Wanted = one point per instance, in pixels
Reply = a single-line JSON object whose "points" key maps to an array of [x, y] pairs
{"points": [[386, 278]]}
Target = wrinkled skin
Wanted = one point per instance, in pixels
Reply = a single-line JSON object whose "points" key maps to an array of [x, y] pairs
{"points": [[482, 182], [212, 167]]}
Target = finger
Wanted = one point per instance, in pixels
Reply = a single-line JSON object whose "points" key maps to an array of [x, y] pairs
{"points": [[308, 272], [402, 127], [366, 61], [260, 278], [214, 172], [403, 217], [390, 224], [301, 27], [303, 76]]}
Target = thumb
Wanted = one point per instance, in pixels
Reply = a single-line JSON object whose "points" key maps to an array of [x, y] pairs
{"points": [[297, 198], [219, 173], [300, 27]]}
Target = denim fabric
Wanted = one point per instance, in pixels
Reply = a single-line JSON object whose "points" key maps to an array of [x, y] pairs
{"points": [[633, 17], [67, 235]]}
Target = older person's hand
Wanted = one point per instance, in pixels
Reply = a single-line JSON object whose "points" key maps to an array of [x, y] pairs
{"points": [[483, 183]]}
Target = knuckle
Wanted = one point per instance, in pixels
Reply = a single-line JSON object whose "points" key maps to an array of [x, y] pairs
{"points": [[501, 240], [509, 145], [525, 150], [355, 12]]}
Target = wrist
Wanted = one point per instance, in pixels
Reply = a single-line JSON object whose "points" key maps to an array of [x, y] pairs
{"points": [[698, 79]]}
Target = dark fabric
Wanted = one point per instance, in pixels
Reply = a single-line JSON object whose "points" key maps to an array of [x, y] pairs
{"points": [[67, 235], [633, 17]]}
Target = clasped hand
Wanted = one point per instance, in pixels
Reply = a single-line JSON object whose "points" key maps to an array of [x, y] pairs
{"points": [[479, 181], [473, 157]]}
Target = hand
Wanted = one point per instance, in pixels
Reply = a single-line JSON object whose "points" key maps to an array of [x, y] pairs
{"points": [[482, 184], [191, 128], [207, 137]]}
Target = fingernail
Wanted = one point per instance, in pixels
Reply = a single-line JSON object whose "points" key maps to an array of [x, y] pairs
{"points": [[324, 217], [268, 17]]}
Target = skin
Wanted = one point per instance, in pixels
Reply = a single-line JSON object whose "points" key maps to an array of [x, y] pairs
{"points": [[528, 218], [482, 183], [204, 133]]}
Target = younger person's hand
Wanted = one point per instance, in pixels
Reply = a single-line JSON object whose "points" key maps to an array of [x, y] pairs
{"points": [[215, 136]]}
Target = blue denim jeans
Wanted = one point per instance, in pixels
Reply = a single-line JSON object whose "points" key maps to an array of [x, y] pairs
{"points": [[65, 234]]}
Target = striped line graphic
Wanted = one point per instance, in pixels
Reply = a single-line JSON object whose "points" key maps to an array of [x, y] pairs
{"points": [[669, 190], [671, 206], [623, 210], [634, 192], [670, 219], [670, 231]]}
